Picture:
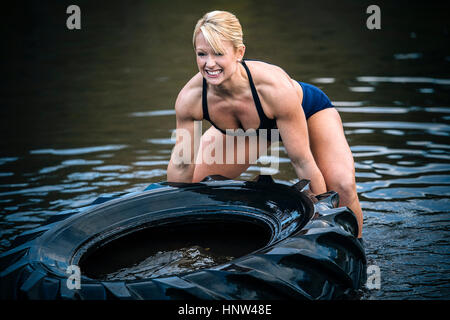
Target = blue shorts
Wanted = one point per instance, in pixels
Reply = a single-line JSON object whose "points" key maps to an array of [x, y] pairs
{"points": [[314, 99]]}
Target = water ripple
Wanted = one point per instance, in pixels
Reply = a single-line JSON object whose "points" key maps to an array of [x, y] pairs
{"points": [[68, 163], [383, 110], [395, 170], [407, 56], [404, 80], [371, 151], [76, 151], [429, 127], [41, 190], [154, 113], [7, 159], [405, 192]]}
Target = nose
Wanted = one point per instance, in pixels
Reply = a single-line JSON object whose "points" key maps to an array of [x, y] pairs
{"points": [[210, 61]]}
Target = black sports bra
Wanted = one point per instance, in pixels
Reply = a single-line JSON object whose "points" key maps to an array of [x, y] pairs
{"points": [[265, 122]]}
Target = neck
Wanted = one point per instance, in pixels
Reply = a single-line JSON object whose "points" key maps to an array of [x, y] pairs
{"points": [[237, 83]]}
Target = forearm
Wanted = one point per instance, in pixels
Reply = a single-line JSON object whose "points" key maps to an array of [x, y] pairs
{"points": [[180, 172], [309, 170]]}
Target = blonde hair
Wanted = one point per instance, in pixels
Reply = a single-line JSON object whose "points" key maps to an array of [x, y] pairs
{"points": [[217, 26]]}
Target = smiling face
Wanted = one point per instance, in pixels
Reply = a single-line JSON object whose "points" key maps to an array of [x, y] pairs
{"points": [[217, 67]]}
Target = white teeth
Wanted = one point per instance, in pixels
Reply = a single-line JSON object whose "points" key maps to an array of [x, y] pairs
{"points": [[213, 73]]}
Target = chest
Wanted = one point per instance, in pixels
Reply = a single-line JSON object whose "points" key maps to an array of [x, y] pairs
{"points": [[234, 113]]}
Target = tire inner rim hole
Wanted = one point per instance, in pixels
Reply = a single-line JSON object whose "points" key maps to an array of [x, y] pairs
{"points": [[174, 248]]}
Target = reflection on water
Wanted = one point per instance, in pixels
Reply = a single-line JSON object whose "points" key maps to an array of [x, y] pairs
{"points": [[90, 113], [166, 263]]}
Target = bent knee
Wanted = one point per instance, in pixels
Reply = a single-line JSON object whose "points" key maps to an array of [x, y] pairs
{"points": [[345, 186]]}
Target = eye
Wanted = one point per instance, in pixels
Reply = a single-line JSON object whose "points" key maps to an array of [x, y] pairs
{"points": [[219, 54], [200, 54]]}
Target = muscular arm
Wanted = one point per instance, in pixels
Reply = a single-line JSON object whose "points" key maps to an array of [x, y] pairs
{"points": [[291, 123], [182, 161]]}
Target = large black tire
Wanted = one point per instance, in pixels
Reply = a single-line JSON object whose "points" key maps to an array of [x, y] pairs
{"points": [[313, 252]]}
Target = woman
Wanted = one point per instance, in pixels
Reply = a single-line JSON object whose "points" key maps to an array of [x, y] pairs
{"points": [[232, 93]]}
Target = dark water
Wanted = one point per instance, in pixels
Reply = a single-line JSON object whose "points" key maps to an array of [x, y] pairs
{"points": [[90, 112], [166, 263], [173, 248]]}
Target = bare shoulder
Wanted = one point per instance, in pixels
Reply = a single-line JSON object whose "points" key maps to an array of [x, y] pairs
{"points": [[276, 88], [189, 100]]}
